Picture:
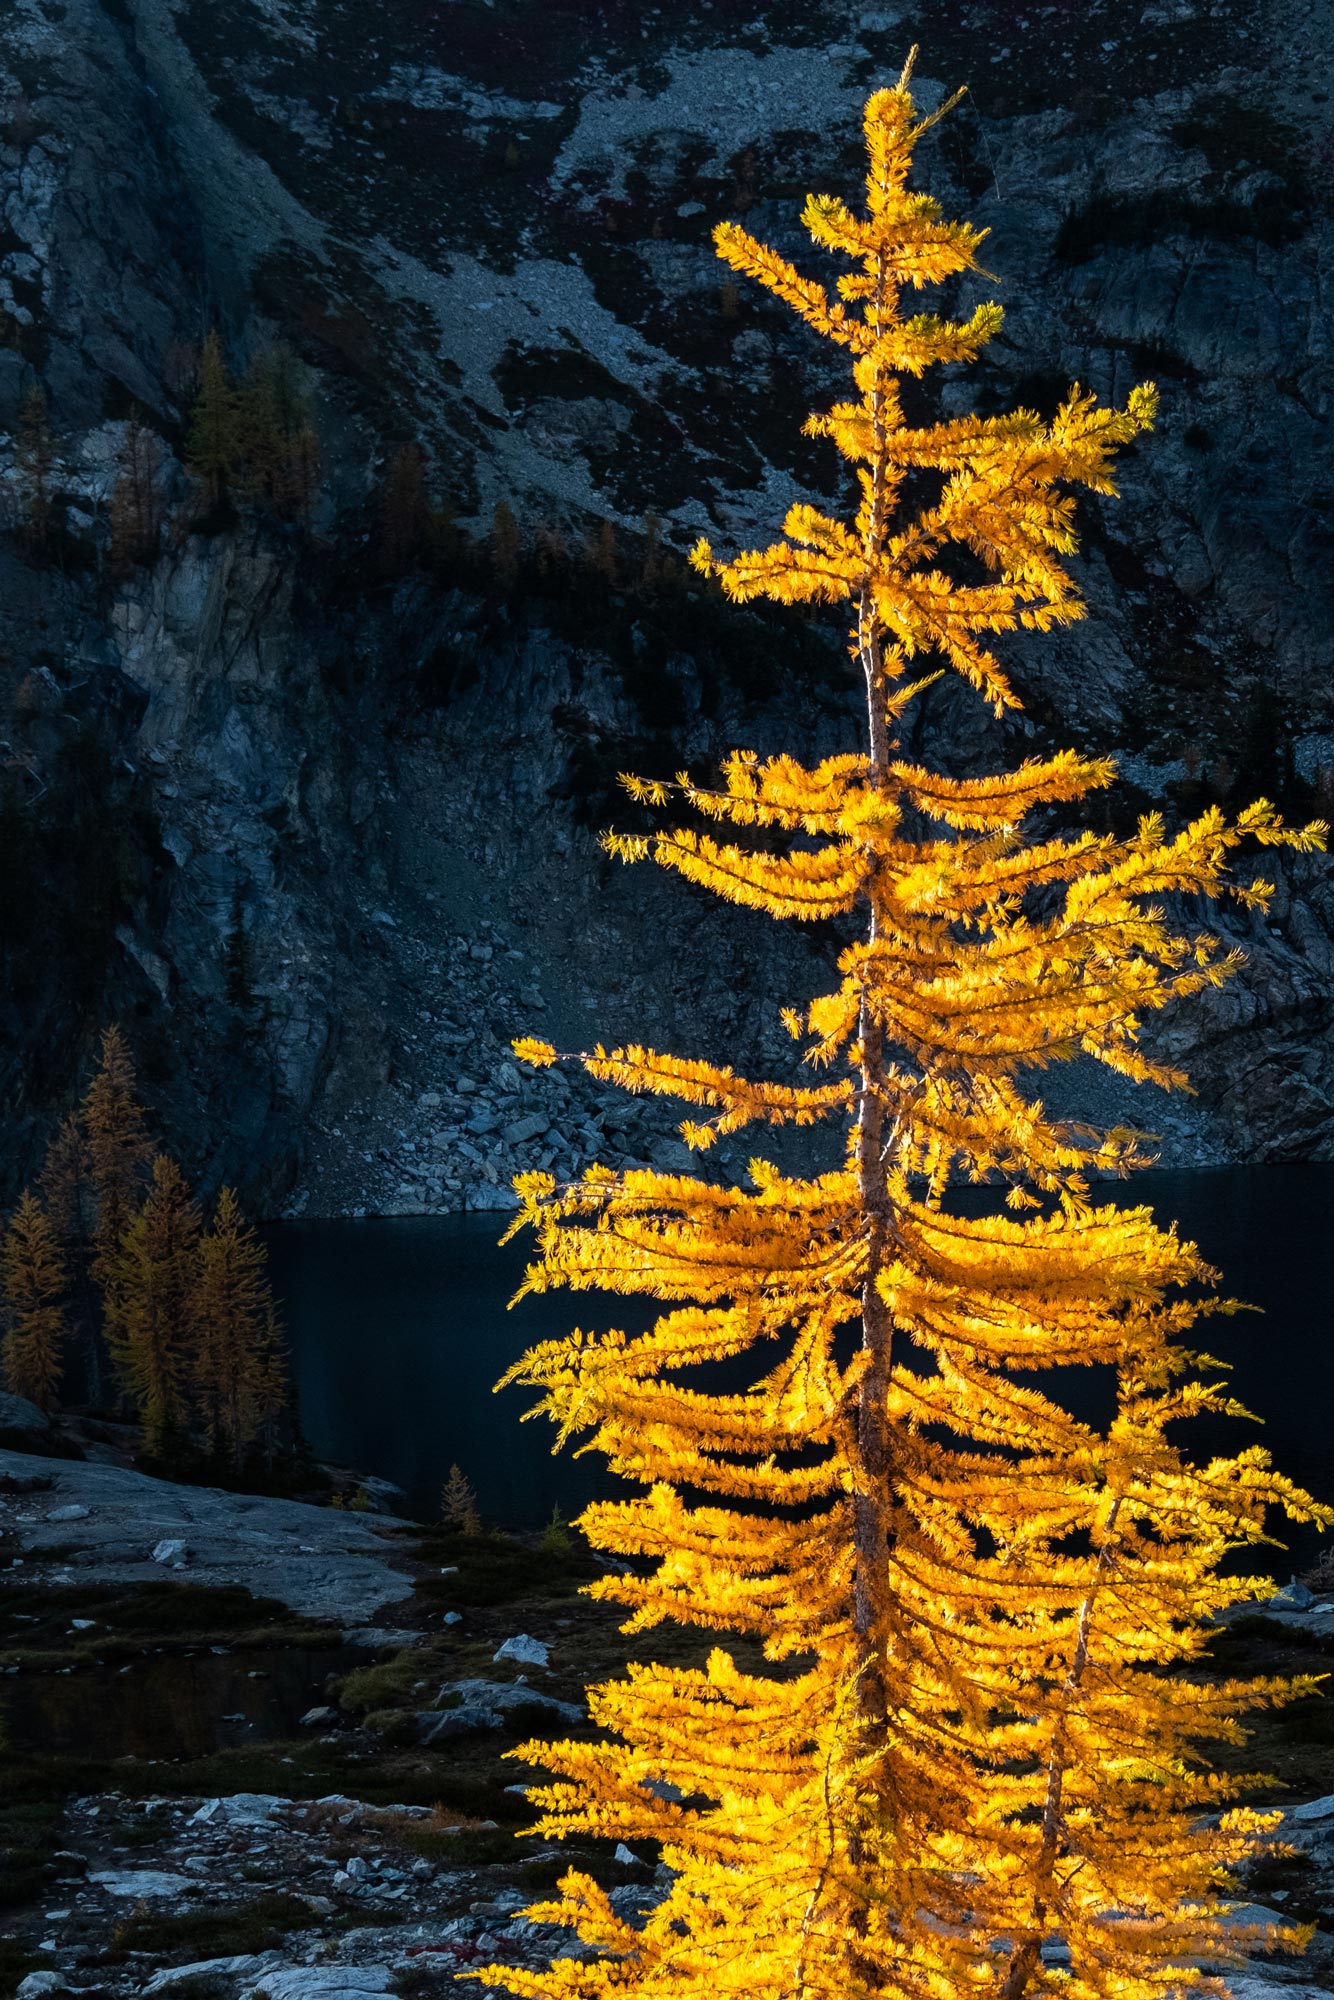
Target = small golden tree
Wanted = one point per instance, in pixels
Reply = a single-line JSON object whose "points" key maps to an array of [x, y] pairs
{"points": [[962, 1742], [151, 1306], [458, 1504], [236, 1370], [34, 1323]]}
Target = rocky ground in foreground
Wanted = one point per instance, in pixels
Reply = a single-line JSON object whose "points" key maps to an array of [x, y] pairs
{"points": [[301, 1792]]}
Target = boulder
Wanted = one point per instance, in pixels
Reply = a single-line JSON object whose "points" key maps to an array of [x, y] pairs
{"points": [[327, 1982], [18, 1414], [1294, 1596], [1314, 1810], [527, 1651], [244, 1971], [479, 1705]]}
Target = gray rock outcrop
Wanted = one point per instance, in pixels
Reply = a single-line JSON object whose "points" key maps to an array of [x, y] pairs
{"points": [[321, 1562]]}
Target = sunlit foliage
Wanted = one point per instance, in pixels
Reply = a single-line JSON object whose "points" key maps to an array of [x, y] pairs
{"points": [[964, 1744]]}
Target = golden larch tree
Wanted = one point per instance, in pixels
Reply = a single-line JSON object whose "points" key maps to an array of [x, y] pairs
{"points": [[34, 1321], [237, 1378], [70, 1199], [115, 1126], [957, 1738], [151, 1309]]}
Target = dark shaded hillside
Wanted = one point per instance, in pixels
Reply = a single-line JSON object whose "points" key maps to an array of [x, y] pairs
{"points": [[312, 807]]}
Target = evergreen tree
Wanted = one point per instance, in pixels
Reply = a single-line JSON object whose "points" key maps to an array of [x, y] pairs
{"points": [[34, 1324], [458, 1504], [135, 511], [34, 458], [213, 446], [964, 1743], [236, 1372], [151, 1312], [119, 1150], [66, 1182]]}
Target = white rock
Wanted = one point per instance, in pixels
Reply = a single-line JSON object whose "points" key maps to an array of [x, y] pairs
{"points": [[327, 1982], [454, 1618], [39, 1983], [73, 1512], [528, 1651], [170, 1550], [624, 1856], [206, 1971], [251, 1808], [141, 1882]]}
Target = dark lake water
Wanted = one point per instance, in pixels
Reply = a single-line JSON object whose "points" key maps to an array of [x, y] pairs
{"points": [[399, 1330]]}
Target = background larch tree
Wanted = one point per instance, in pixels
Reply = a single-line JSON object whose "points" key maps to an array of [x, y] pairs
{"points": [[963, 1741], [66, 1182], [236, 1371], [115, 1127], [33, 1279], [151, 1306]]}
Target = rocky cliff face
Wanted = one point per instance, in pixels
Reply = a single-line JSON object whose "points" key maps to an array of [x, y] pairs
{"points": [[326, 839]]}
